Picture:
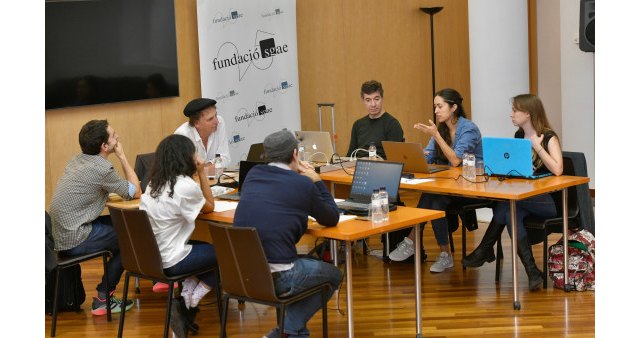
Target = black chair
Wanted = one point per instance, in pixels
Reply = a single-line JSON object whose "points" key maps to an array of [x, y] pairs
{"points": [[141, 257], [246, 274], [538, 228], [64, 262], [143, 168]]}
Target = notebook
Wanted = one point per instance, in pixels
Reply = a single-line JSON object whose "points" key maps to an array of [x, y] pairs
{"points": [[412, 155], [371, 175], [245, 166], [317, 145], [509, 157]]}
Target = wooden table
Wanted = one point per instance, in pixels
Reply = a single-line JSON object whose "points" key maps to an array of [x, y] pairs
{"points": [[348, 231], [451, 182]]}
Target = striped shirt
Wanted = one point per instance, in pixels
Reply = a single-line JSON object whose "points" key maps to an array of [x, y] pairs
{"points": [[80, 197]]}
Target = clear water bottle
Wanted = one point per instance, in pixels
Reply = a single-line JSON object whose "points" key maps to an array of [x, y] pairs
{"points": [[301, 150], [469, 166], [384, 200], [376, 207], [217, 165], [372, 151]]}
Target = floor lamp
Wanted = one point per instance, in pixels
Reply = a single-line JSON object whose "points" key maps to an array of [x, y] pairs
{"points": [[432, 11]]}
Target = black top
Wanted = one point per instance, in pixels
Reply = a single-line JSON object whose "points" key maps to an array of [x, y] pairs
{"points": [[366, 130]]}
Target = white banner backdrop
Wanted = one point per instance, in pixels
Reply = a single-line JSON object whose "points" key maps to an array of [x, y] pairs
{"points": [[249, 64]]}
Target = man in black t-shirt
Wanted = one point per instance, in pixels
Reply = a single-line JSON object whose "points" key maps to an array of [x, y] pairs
{"points": [[377, 126]]}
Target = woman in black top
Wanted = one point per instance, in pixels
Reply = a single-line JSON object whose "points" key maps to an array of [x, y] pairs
{"points": [[529, 116]]}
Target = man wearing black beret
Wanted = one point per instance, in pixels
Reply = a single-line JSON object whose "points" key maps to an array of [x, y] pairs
{"points": [[207, 130]]}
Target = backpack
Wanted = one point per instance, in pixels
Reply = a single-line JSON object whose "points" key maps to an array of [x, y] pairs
{"points": [[71, 294], [582, 268]]}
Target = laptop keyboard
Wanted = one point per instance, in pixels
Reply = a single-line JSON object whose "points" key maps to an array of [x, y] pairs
{"points": [[350, 205]]}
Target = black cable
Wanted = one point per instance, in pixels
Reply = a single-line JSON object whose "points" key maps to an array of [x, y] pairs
{"points": [[233, 184], [340, 161]]}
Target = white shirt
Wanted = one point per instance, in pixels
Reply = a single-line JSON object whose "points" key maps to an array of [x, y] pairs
{"points": [[173, 218], [217, 143]]}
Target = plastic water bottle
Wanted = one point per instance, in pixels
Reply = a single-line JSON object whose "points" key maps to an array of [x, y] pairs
{"points": [[217, 165], [301, 152], [384, 199], [469, 166], [372, 151], [376, 207]]}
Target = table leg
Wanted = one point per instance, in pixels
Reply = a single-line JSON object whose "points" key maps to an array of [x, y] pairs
{"points": [[514, 254], [418, 274], [347, 260], [565, 241], [334, 252]]}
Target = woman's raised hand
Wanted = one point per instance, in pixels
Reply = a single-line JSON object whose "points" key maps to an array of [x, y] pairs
{"points": [[428, 128]]}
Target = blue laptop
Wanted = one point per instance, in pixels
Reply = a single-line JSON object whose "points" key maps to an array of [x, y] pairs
{"points": [[509, 157]]}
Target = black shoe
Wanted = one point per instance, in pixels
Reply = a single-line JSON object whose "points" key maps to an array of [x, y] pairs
{"points": [[536, 278], [191, 320], [178, 319], [478, 257]]}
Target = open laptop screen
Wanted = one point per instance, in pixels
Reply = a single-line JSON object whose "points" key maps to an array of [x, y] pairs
{"points": [[371, 175], [245, 166]]}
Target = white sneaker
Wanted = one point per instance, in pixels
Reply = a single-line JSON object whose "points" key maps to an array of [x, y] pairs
{"points": [[403, 251], [444, 262], [188, 285]]}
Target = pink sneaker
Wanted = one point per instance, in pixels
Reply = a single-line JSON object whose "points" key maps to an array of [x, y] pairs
{"points": [[159, 287]]}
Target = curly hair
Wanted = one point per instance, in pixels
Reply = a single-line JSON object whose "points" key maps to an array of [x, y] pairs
{"points": [[174, 157]]}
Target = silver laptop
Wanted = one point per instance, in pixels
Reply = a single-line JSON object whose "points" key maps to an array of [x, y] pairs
{"points": [[412, 155], [317, 145]]}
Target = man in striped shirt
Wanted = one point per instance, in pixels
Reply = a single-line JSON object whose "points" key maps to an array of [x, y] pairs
{"points": [[80, 197]]}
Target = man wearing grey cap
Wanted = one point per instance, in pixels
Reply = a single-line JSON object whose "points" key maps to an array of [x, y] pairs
{"points": [[207, 131], [277, 199]]}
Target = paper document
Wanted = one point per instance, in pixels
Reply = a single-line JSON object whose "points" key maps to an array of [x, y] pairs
{"points": [[342, 218], [221, 206], [415, 180]]}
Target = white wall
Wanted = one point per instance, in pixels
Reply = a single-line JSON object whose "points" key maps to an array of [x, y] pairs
{"points": [[499, 63], [577, 71], [566, 78], [499, 57]]}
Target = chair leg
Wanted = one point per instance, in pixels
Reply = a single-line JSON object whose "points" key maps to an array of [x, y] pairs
{"points": [[282, 309], [499, 257], [123, 307], [218, 293], [223, 322], [54, 311], [136, 282], [324, 314], [167, 319], [464, 244], [545, 260], [107, 286]]}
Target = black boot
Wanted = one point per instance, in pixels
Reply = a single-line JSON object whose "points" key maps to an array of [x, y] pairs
{"points": [[536, 277], [484, 252]]}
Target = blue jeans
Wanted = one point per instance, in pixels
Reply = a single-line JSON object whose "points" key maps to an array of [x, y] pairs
{"points": [[304, 274], [202, 255], [102, 236], [541, 206], [441, 202]]}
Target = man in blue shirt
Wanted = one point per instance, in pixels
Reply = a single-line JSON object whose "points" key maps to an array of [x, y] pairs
{"points": [[277, 199]]}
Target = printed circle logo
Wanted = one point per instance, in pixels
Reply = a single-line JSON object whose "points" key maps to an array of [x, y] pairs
{"points": [[506, 155]]}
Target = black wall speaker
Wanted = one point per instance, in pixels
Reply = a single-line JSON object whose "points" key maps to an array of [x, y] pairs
{"points": [[587, 40]]}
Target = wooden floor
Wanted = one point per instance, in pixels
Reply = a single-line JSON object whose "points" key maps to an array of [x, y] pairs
{"points": [[456, 303]]}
